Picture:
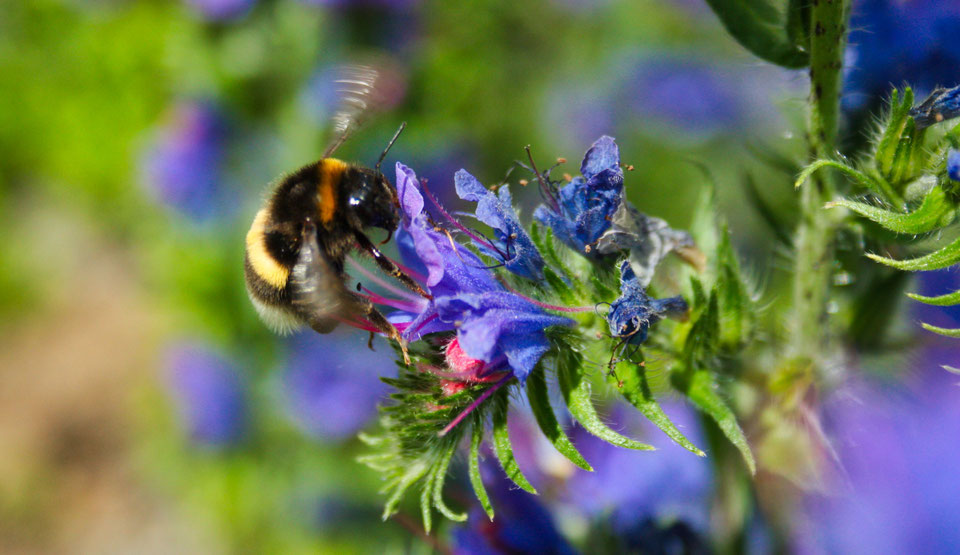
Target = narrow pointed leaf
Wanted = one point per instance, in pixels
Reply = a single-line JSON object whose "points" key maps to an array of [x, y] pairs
{"points": [[955, 333], [859, 177], [702, 393], [951, 369], [547, 420], [475, 479], [887, 147], [925, 218], [426, 511], [754, 25], [559, 287], [636, 390], [501, 443], [576, 392], [404, 483], [947, 256], [949, 299], [439, 477]]}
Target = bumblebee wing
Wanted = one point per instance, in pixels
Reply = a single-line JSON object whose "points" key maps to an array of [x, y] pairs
{"points": [[317, 292], [363, 90]]}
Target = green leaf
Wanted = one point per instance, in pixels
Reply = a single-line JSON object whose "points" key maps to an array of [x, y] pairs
{"points": [[576, 392], [439, 477], [798, 23], [414, 473], [943, 300], [925, 218], [757, 25], [955, 333], [547, 420], [636, 390], [501, 442], [701, 393], [947, 256], [864, 180], [475, 479], [426, 512], [559, 287], [736, 304], [887, 146]]}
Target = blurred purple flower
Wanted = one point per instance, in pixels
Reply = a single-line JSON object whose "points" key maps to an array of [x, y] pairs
{"points": [[221, 10], [210, 394], [331, 383], [898, 484], [684, 94], [631, 488], [513, 247], [894, 41], [522, 525], [585, 206], [492, 324], [184, 167], [933, 284]]}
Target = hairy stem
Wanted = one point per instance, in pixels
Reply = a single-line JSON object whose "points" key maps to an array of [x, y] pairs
{"points": [[828, 34]]}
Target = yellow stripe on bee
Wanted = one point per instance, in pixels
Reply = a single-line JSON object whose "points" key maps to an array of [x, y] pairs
{"points": [[263, 264], [331, 172]]}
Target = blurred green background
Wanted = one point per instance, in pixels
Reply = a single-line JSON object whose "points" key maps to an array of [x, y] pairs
{"points": [[137, 139]]}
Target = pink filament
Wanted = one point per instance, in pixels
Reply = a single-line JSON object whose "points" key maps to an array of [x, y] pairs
{"points": [[545, 305], [483, 397], [381, 282], [380, 299], [457, 224]]}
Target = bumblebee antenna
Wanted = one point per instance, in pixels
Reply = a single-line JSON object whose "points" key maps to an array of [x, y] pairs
{"points": [[390, 144]]}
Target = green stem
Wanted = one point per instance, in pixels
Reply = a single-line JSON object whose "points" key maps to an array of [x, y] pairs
{"points": [[828, 34]]}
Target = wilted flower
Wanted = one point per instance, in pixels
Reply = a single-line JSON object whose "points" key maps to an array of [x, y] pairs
{"points": [[513, 246], [586, 205], [492, 324], [941, 105], [184, 168], [330, 383], [221, 10], [632, 314], [210, 394]]}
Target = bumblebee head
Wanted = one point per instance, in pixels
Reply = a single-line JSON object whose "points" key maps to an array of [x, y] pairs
{"points": [[373, 200]]}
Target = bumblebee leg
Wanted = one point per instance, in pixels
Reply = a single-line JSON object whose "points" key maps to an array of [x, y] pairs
{"points": [[388, 266], [380, 322]]}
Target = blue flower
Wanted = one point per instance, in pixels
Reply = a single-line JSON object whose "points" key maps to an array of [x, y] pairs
{"points": [[331, 385], [210, 394], [222, 10], [953, 164], [512, 246], [633, 312], [522, 525], [893, 42], [492, 324], [586, 205], [184, 168]]}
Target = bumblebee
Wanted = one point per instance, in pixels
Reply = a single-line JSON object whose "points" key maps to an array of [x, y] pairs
{"points": [[298, 242]]}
